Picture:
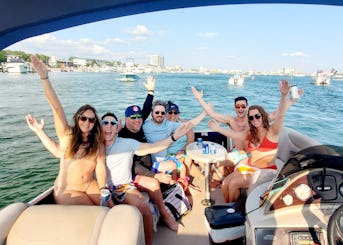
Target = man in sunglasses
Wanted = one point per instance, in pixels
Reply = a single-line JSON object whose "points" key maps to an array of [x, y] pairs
{"points": [[159, 128]]}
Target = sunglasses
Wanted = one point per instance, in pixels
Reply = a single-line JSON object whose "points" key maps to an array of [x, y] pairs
{"points": [[257, 116], [90, 119], [240, 106], [173, 112], [133, 117], [158, 112], [105, 122]]}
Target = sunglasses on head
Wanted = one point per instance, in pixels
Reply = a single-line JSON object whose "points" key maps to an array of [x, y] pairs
{"points": [[158, 112], [257, 116], [173, 112], [106, 122], [90, 119], [133, 117], [240, 106]]}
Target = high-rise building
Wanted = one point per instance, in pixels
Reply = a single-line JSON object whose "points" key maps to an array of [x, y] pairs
{"points": [[157, 61]]}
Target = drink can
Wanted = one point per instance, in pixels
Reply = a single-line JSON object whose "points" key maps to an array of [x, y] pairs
{"points": [[105, 197], [205, 149], [294, 92], [213, 149]]}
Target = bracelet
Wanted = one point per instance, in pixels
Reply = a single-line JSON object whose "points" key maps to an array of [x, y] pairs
{"points": [[44, 78], [104, 187], [172, 137]]}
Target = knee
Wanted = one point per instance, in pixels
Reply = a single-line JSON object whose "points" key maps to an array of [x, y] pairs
{"points": [[144, 208]]}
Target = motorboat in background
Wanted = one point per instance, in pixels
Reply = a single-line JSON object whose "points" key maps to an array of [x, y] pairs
{"points": [[323, 78], [128, 77], [236, 80], [16, 65]]}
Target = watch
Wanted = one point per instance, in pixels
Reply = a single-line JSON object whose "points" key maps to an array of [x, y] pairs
{"points": [[104, 192]]}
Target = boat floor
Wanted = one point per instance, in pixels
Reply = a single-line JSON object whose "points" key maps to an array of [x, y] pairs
{"points": [[192, 228]]}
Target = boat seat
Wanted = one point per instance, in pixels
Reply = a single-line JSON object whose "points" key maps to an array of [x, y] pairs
{"points": [[71, 224]]}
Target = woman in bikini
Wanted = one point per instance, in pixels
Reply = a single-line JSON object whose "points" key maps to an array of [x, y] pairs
{"points": [[81, 150], [261, 142]]}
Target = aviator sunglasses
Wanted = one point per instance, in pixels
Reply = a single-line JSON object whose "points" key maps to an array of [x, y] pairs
{"points": [[173, 112], [158, 112], [105, 122], [90, 119], [240, 106], [133, 117], [257, 116]]}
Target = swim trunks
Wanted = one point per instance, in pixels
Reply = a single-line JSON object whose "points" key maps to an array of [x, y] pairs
{"points": [[119, 191]]}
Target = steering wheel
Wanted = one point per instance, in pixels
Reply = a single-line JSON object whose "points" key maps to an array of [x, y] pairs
{"points": [[335, 227]]}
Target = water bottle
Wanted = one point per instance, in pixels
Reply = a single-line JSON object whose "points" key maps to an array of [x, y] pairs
{"points": [[213, 149], [199, 143], [294, 92], [205, 148], [105, 197]]}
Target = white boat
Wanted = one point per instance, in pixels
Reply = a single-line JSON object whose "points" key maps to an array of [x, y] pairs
{"points": [[236, 80], [321, 78], [128, 77], [298, 208], [16, 67]]}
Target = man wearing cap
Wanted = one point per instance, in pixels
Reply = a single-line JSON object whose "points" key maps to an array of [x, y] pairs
{"points": [[134, 119]]}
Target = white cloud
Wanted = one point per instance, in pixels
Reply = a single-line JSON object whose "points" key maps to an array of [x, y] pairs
{"points": [[140, 30], [207, 34], [295, 54]]}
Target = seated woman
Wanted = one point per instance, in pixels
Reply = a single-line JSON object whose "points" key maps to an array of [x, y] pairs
{"points": [[261, 144]]}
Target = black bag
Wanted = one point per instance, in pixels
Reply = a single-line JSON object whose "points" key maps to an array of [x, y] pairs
{"points": [[176, 201]]}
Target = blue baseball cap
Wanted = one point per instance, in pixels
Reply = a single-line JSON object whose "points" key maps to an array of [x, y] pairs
{"points": [[133, 110], [172, 107]]}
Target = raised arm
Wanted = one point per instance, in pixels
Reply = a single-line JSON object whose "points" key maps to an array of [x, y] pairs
{"points": [[52, 146], [290, 102], [276, 127], [149, 148], [150, 86], [209, 109], [235, 135], [61, 124]]}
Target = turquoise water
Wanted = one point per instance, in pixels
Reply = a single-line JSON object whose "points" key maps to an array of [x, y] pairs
{"points": [[26, 168]]}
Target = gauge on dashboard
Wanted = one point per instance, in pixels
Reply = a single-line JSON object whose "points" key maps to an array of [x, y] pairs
{"points": [[287, 200], [303, 192]]}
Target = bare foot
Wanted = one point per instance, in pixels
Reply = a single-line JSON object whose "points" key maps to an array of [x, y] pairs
{"points": [[171, 223]]}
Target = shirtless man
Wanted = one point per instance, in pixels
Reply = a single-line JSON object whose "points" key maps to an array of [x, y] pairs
{"points": [[238, 123], [80, 149]]}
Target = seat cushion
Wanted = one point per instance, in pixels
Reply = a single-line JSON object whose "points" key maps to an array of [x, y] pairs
{"points": [[122, 225], [58, 224]]}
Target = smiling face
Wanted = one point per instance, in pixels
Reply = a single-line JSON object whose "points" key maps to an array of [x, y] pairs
{"points": [[173, 116], [134, 123], [86, 121], [109, 126], [241, 108], [255, 118], [158, 114]]}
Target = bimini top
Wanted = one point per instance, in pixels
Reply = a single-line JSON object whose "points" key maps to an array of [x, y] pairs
{"points": [[20, 19]]}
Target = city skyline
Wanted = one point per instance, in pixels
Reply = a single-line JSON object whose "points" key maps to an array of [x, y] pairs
{"points": [[259, 37]]}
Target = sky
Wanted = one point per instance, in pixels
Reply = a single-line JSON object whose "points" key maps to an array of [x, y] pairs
{"points": [[260, 37]]}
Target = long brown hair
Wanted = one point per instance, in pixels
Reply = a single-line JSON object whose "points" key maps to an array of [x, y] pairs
{"points": [[95, 137], [265, 122]]}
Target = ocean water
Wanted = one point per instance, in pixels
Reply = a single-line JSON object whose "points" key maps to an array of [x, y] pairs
{"points": [[27, 169]]}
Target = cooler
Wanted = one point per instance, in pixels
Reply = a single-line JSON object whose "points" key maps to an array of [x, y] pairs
{"points": [[225, 222]]}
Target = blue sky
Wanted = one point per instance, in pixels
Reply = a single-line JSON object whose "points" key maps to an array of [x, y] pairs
{"points": [[245, 37]]}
